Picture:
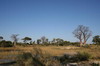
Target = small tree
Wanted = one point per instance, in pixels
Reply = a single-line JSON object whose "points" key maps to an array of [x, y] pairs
{"points": [[96, 39], [54, 40], [1, 38], [38, 41], [15, 39], [26, 39], [47, 40], [59, 41]]}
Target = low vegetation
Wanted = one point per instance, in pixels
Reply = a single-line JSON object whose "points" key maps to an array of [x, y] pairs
{"points": [[38, 55]]}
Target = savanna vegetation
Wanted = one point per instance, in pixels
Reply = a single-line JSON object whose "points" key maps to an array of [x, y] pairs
{"points": [[56, 52]]}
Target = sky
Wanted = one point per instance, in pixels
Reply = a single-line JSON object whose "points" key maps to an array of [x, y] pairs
{"points": [[50, 18]]}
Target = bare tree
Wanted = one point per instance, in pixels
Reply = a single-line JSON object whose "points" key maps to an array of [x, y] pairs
{"points": [[82, 33], [44, 39], [86, 33], [78, 34], [15, 39]]}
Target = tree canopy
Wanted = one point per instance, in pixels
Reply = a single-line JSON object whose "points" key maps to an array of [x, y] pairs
{"points": [[96, 39], [26, 39]]}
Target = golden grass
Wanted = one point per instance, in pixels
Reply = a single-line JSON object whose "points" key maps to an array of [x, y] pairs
{"points": [[52, 50]]}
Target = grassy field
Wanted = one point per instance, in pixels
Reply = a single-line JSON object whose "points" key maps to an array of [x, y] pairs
{"points": [[12, 52]]}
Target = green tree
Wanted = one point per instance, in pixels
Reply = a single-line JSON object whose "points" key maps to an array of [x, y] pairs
{"points": [[54, 40], [26, 39], [4, 43], [96, 39], [47, 40], [38, 41], [59, 41], [1, 38]]}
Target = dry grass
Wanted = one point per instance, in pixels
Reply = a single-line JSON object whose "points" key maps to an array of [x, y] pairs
{"points": [[52, 50]]}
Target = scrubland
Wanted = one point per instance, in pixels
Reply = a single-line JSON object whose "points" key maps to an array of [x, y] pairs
{"points": [[50, 51]]}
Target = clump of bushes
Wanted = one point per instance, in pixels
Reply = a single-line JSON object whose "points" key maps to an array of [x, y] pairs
{"points": [[6, 44], [24, 59], [82, 56]]}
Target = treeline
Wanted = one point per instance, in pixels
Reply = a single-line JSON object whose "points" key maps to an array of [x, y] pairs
{"points": [[82, 33], [28, 41], [42, 41]]}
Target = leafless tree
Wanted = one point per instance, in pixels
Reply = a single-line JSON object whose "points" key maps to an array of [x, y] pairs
{"points": [[78, 35], [43, 39], [86, 33], [82, 33], [15, 39]]}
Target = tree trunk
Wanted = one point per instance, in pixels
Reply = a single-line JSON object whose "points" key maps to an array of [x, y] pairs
{"points": [[80, 43], [84, 42], [14, 44]]}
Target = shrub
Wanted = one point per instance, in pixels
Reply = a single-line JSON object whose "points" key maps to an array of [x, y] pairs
{"points": [[86, 46], [6, 44], [95, 64], [44, 58], [26, 59], [82, 56], [65, 59]]}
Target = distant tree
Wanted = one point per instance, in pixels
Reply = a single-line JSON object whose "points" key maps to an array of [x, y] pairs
{"points": [[82, 33], [59, 41], [96, 39], [43, 39], [15, 39], [33, 42], [47, 40], [54, 40], [38, 41], [4, 43], [1, 38], [66, 42], [26, 39]]}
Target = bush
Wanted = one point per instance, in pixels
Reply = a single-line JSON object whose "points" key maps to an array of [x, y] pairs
{"points": [[65, 59], [44, 57], [6, 44], [26, 59], [82, 56], [86, 46]]}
